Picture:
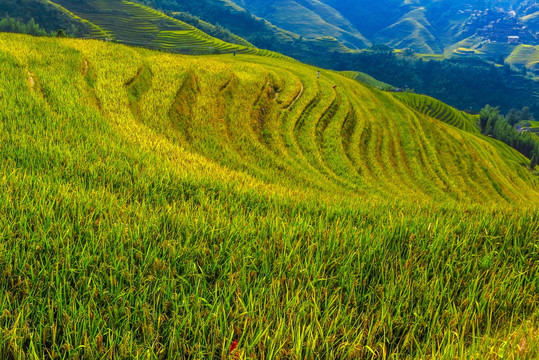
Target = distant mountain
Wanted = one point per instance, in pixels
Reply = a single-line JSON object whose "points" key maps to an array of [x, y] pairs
{"points": [[425, 26], [303, 28], [308, 18], [263, 33]]}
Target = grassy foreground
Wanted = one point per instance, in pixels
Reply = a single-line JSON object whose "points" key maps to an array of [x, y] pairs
{"points": [[164, 206]]}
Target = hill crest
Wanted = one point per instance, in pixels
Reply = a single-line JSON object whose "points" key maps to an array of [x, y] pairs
{"points": [[274, 120]]}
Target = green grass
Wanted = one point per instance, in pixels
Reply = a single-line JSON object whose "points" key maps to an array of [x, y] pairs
{"points": [[428, 57], [161, 206], [474, 47], [466, 51]]}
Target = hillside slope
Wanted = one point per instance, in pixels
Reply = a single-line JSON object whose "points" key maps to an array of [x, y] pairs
{"points": [[426, 26], [411, 31], [303, 140], [163, 206], [309, 18], [48, 16], [525, 55], [135, 24]]}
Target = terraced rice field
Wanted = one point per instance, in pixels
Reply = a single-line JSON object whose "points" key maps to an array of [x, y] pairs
{"points": [[525, 55], [466, 51], [438, 110], [95, 31], [134, 24], [166, 206], [367, 79]]}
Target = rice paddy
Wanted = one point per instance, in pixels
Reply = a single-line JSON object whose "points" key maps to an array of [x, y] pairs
{"points": [[525, 55], [162, 206], [438, 110], [138, 25]]}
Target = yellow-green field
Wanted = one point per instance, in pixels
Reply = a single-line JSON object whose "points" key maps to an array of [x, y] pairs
{"points": [[159, 206], [438, 110], [525, 55], [474, 47]]}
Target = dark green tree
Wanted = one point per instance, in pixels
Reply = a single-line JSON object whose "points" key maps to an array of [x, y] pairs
{"points": [[488, 118], [381, 48], [33, 28], [513, 117], [493, 124], [534, 162], [525, 114]]}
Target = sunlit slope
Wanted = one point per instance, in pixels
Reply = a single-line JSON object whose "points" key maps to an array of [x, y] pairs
{"points": [[279, 124], [525, 55], [367, 79], [440, 111], [135, 24], [162, 206]]}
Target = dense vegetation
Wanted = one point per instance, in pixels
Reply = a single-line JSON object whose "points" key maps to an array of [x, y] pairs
{"points": [[165, 206], [14, 26], [43, 14], [217, 31], [465, 84], [492, 123], [515, 116]]}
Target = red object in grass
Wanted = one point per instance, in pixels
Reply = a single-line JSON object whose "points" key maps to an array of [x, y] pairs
{"points": [[233, 346]]}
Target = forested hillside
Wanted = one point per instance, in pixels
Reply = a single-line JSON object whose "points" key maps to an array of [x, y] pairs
{"points": [[47, 16]]}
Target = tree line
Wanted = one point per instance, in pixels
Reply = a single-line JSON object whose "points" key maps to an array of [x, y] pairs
{"points": [[15, 26], [467, 84], [39, 18], [491, 123]]}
